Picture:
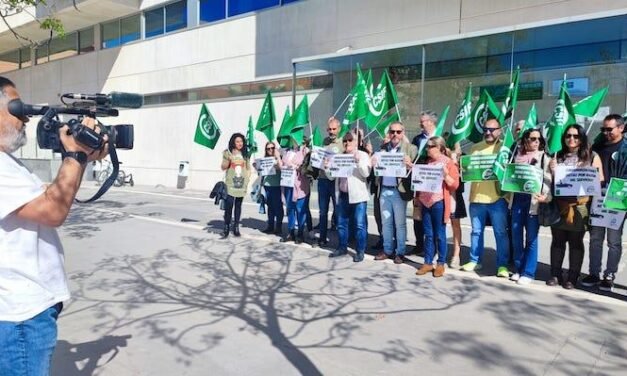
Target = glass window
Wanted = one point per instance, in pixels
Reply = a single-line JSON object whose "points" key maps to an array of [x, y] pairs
{"points": [[129, 29], [10, 61], [175, 16], [41, 54], [244, 6], [154, 22], [25, 60], [86, 40], [288, 1], [63, 46], [212, 10], [110, 34]]}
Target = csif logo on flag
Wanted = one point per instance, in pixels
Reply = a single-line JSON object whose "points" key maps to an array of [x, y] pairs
{"points": [[560, 114], [462, 120], [375, 105], [481, 116], [206, 129]]}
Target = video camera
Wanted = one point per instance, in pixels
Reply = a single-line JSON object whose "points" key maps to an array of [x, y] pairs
{"points": [[90, 105]]}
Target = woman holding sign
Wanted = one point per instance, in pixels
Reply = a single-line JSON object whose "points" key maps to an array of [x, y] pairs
{"points": [[235, 163], [295, 190], [573, 209], [436, 207], [272, 185], [352, 198], [524, 207]]}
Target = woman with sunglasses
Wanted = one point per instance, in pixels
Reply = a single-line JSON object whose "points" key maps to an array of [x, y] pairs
{"points": [[235, 163], [295, 196], [574, 210], [352, 198], [272, 186], [524, 208], [436, 207]]}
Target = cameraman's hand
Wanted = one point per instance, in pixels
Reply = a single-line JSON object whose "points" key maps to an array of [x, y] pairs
{"points": [[71, 145]]}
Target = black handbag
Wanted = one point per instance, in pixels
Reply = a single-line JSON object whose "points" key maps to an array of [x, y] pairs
{"points": [[548, 212]]}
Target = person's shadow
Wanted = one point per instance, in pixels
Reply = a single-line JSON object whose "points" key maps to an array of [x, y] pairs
{"points": [[82, 359]]}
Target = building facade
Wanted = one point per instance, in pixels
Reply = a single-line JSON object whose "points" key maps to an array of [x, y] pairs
{"points": [[228, 53]]}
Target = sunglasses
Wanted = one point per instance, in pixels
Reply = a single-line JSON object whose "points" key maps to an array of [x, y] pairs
{"points": [[490, 130], [270, 148], [607, 129], [347, 141], [570, 135], [533, 139], [430, 146], [393, 131]]}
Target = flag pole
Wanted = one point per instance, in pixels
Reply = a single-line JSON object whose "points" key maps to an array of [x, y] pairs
{"points": [[342, 104]]}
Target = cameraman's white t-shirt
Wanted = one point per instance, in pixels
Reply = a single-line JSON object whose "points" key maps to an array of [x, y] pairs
{"points": [[32, 277]]}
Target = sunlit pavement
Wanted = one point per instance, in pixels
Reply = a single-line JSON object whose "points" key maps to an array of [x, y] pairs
{"points": [[155, 292]]}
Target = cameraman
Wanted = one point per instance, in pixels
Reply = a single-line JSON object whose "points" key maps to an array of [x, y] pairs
{"points": [[32, 277]]}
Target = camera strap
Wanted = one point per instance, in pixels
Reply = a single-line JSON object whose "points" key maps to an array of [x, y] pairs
{"points": [[110, 180]]}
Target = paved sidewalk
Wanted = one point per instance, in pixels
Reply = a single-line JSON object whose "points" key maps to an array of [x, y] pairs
{"points": [[155, 292]]}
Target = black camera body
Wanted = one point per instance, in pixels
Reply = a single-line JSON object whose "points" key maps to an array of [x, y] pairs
{"points": [[91, 105]]}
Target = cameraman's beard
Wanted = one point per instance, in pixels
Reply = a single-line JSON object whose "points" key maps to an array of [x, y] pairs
{"points": [[14, 140]]}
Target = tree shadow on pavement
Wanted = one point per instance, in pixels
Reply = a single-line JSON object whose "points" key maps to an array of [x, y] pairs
{"points": [[82, 359], [271, 289]]}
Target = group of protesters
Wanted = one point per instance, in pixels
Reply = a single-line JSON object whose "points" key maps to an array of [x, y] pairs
{"points": [[514, 217]]}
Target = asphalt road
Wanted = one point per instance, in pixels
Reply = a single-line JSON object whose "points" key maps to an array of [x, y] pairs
{"points": [[155, 292]]}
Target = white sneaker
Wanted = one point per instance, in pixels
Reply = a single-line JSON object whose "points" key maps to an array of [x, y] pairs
{"points": [[524, 281], [454, 264], [515, 277]]}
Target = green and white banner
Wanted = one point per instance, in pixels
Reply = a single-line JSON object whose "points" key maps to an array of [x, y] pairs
{"points": [[522, 178], [616, 196], [601, 217], [477, 168]]}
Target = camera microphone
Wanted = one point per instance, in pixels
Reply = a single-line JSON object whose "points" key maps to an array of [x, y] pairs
{"points": [[114, 99]]}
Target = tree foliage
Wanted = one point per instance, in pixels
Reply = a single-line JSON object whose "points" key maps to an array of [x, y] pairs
{"points": [[9, 8]]}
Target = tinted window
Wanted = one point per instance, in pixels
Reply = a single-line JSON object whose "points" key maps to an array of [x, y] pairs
{"points": [[86, 40], [212, 10], [154, 22], [129, 29], [243, 6], [110, 34], [176, 16]]}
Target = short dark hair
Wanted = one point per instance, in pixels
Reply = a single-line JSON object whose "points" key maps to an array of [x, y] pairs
{"points": [[4, 82], [232, 144], [620, 121]]}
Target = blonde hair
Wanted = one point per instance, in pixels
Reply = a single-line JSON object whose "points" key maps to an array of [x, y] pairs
{"points": [[441, 144]]}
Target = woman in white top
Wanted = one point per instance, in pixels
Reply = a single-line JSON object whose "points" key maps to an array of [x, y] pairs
{"points": [[352, 199]]}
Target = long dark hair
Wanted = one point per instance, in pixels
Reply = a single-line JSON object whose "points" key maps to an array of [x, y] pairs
{"points": [[525, 136], [232, 144], [583, 154], [265, 149]]}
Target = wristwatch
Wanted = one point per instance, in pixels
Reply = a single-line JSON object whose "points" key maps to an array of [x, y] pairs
{"points": [[80, 156]]}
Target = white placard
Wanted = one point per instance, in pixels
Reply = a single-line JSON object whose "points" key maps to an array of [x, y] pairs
{"points": [[601, 217], [265, 166], [342, 165], [427, 178], [390, 164], [317, 156], [577, 181], [288, 175]]}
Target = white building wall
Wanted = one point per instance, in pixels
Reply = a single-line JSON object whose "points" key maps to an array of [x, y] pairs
{"points": [[254, 47]]}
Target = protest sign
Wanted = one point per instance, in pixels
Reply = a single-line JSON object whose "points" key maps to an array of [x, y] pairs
{"points": [[390, 164], [522, 178], [342, 165], [265, 166], [616, 195], [317, 156], [477, 168], [577, 181], [427, 178], [602, 217], [288, 176]]}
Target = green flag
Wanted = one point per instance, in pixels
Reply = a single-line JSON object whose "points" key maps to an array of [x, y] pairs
{"points": [[250, 137], [504, 155], [267, 117], [383, 101], [357, 106], [531, 121], [563, 116], [317, 139], [283, 136], [294, 128], [463, 122], [484, 109], [439, 128], [589, 106], [207, 130], [507, 109]]}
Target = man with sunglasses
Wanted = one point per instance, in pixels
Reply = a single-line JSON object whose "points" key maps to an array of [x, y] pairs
{"points": [[32, 276], [428, 122], [393, 206], [612, 150], [326, 187], [486, 202]]}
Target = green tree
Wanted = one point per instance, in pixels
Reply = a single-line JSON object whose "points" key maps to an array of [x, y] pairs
{"points": [[9, 8]]}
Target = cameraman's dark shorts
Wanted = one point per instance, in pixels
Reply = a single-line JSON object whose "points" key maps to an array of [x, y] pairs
{"points": [[460, 206]]}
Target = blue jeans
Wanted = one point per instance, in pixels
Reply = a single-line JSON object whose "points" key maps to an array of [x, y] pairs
{"points": [[614, 252], [435, 232], [497, 212], [295, 211], [26, 347], [275, 206], [355, 213], [525, 249], [393, 212], [326, 192]]}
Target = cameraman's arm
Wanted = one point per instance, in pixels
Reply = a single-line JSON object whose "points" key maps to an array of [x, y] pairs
{"points": [[52, 207]]}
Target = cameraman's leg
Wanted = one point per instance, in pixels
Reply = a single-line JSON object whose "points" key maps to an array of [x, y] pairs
{"points": [[27, 346], [228, 209]]}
